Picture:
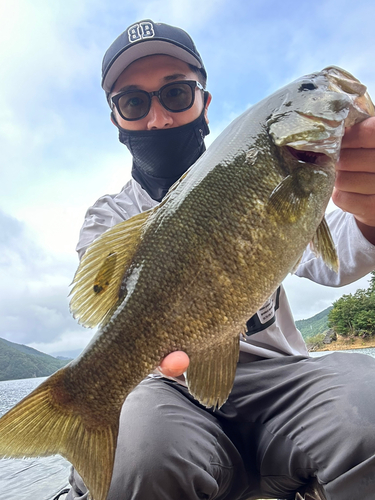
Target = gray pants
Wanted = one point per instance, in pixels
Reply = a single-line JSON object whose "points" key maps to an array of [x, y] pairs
{"points": [[287, 420]]}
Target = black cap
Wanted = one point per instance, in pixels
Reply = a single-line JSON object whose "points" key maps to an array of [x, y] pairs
{"points": [[147, 38]]}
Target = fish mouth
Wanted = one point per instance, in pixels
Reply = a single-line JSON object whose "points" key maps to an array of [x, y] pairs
{"points": [[312, 157]]}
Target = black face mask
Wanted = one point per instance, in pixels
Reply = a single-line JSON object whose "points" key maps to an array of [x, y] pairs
{"points": [[160, 157]]}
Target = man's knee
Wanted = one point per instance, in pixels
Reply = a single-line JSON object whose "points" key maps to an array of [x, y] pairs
{"points": [[166, 445]]}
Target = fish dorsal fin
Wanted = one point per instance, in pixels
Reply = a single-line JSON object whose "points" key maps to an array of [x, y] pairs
{"points": [[323, 246], [210, 376], [97, 281]]}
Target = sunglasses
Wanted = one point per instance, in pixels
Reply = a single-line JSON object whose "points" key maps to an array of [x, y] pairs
{"points": [[175, 97]]}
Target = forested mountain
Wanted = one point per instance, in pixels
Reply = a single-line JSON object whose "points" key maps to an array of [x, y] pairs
{"points": [[314, 325], [19, 361]]}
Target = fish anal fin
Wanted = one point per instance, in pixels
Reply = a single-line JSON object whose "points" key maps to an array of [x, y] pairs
{"points": [[41, 425], [97, 282], [210, 374], [323, 246]]}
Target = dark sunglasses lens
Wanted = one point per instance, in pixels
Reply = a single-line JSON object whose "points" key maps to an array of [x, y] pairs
{"points": [[177, 96], [134, 105]]}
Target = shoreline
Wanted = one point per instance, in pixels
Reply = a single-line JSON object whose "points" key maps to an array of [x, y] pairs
{"points": [[344, 344]]}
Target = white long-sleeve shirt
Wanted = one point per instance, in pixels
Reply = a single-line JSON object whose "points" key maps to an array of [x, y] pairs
{"points": [[272, 331]]}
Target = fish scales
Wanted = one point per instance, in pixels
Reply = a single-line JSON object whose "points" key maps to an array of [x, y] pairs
{"points": [[188, 274]]}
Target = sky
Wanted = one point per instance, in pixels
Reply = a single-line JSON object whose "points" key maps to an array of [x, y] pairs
{"points": [[60, 153]]}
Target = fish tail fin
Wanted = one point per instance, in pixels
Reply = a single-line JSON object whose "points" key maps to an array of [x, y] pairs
{"points": [[46, 423]]}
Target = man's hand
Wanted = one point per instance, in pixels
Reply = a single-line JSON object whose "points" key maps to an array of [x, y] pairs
{"points": [[175, 364], [355, 176]]}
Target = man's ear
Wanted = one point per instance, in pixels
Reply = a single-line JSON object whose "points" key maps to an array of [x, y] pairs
{"points": [[207, 100], [113, 119]]}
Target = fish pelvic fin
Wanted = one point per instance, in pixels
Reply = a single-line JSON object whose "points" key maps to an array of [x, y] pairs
{"points": [[210, 376], [323, 246], [97, 282], [46, 423]]}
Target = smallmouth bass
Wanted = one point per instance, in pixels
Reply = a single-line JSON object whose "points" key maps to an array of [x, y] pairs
{"points": [[188, 274]]}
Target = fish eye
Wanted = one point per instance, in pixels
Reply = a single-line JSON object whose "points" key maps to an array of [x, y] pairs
{"points": [[307, 86]]}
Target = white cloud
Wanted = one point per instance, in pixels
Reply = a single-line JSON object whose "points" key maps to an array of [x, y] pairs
{"points": [[41, 44], [57, 204], [67, 343], [307, 298], [35, 285], [182, 14]]}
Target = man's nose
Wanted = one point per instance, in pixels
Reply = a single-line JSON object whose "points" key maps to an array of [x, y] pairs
{"points": [[158, 117]]}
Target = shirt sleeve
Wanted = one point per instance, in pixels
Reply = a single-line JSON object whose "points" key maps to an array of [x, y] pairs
{"points": [[356, 254], [104, 214]]}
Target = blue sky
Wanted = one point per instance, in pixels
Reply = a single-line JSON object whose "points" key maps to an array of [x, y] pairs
{"points": [[59, 151]]}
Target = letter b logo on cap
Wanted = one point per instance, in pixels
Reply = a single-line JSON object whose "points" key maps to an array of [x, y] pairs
{"points": [[140, 31], [147, 30]]}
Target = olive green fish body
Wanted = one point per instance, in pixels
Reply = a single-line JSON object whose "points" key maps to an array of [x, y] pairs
{"points": [[188, 274], [202, 269]]}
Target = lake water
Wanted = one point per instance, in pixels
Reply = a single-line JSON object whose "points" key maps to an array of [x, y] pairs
{"points": [[43, 478]]}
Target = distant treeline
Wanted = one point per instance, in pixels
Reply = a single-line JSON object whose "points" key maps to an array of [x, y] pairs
{"points": [[19, 361], [354, 314]]}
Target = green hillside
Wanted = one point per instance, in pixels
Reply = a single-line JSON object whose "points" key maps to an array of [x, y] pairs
{"points": [[19, 361], [314, 325]]}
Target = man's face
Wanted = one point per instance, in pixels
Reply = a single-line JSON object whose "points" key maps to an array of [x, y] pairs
{"points": [[150, 73]]}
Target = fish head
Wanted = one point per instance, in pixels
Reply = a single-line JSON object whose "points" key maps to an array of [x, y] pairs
{"points": [[314, 112]]}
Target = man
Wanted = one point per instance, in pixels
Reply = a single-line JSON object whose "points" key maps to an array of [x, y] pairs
{"points": [[289, 417]]}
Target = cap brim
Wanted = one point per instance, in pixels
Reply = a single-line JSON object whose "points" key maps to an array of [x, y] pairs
{"points": [[146, 48]]}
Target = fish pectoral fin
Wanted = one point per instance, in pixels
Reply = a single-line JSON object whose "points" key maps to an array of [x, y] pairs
{"points": [[210, 375], [323, 246], [97, 282], [45, 423], [287, 200]]}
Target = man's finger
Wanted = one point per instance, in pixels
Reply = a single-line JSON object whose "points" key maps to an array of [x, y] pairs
{"points": [[175, 364], [362, 206], [357, 160], [361, 135], [355, 182]]}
